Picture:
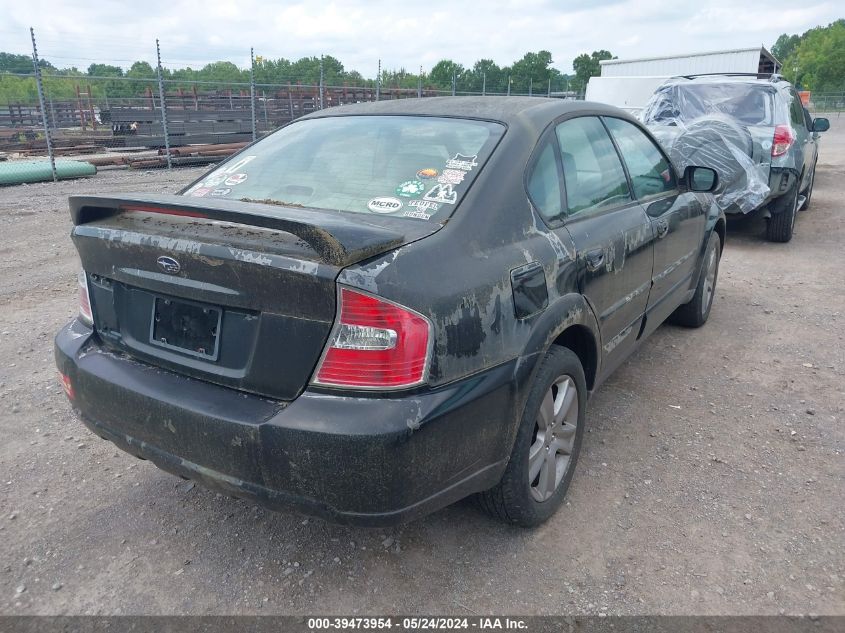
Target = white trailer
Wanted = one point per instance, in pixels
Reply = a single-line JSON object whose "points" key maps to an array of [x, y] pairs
{"points": [[629, 83]]}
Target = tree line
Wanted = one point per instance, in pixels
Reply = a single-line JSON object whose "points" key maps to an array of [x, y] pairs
{"points": [[814, 60], [534, 72]]}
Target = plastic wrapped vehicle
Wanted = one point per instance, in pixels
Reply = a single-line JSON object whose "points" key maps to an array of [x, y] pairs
{"points": [[718, 142], [753, 131]]}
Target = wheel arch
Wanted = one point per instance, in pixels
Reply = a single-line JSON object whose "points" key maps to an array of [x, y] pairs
{"points": [[581, 341], [569, 322]]}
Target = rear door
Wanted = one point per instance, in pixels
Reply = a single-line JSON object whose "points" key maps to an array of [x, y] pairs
{"points": [[611, 232], [805, 141], [677, 217]]}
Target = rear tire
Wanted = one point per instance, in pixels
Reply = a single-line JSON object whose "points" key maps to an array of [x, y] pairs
{"points": [[536, 479], [780, 226], [696, 312]]}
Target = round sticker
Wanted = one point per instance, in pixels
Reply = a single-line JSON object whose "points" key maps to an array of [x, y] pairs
{"points": [[384, 204], [235, 179], [220, 192], [410, 189], [428, 172]]}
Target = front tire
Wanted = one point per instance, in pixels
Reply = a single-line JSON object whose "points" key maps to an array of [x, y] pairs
{"points": [[547, 444], [696, 312], [808, 192]]}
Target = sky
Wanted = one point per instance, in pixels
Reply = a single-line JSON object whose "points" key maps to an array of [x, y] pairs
{"points": [[401, 34]]}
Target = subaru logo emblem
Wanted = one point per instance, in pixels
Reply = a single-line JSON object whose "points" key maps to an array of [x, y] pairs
{"points": [[168, 265]]}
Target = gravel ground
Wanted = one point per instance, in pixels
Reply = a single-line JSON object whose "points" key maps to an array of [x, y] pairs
{"points": [[711, 480]]}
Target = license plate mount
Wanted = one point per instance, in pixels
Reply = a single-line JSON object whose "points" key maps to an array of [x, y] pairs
{"points": [[187, 327]]}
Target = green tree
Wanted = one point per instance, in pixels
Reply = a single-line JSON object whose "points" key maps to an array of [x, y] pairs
{"points": [[441, 75], [532, 72], [817, 62], [784, 46], [12, 63], [586, 66]]}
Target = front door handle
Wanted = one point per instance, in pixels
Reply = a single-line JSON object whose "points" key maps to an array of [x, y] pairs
{"points": [[662, 228], [595, 259]]}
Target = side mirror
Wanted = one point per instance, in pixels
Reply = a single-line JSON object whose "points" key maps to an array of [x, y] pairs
{"points": [[821, 125], [701, 178]]}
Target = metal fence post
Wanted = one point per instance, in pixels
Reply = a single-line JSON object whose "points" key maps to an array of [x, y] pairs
{"points": [[321, 82], [40, 87], [163, 106], [378, 81], [252, 91]]}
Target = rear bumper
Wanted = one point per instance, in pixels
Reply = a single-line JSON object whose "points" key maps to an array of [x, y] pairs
{"points": [[371, 460]]}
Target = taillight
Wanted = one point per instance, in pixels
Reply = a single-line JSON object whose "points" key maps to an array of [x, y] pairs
{"points": [[783, 140], [67, 385], [84, 299], [376, 344]]}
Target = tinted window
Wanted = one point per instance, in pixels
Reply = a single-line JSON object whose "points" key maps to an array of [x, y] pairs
{"points": [[648, 168], [407, 166], [544, 184], [796, 110], [751, 104], [592, 172]]}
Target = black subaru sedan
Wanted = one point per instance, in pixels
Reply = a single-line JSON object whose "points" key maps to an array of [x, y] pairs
{"points": [[383, 308]]}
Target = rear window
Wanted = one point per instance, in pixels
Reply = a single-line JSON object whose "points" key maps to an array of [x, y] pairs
{"points": [[405, 166], [748, 103]]}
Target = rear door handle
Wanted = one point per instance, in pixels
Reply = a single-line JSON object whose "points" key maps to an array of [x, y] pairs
{"points": [[662, 228], [595, 259]]}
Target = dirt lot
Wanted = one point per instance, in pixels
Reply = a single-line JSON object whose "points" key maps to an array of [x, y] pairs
{"points": [[711, 480]]}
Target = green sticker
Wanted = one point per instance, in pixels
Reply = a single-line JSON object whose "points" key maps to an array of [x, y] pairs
{"points": [[410, 189]]}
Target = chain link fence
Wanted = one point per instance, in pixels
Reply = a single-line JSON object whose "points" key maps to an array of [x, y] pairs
{"points": [[61, 125]]}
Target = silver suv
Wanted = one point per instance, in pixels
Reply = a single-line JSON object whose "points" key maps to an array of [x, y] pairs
{"points": [[764, 118]]}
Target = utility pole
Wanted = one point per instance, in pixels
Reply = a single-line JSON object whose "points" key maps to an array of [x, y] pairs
{"points": [[531, 86], [483, 84], [454, 79], [40, 87], [252, 91], [419, 84], [163, 106], [550, 88], [509, 85]]}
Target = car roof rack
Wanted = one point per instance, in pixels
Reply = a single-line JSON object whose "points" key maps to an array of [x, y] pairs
{"points": [[773, 77]]}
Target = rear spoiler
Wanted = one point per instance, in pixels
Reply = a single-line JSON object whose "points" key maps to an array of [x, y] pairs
{"points": [[338, 238]]}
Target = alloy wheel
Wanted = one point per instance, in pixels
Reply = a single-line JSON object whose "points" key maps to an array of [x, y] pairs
{"points": [[554, 438]]}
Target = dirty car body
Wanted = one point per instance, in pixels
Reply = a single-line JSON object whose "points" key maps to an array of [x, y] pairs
{"points": [[215, 339]]}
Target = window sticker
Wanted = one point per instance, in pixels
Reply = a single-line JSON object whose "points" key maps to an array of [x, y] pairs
{"points": [[462, 162], [427, 173], [220, 192], [442, 193], [416, 213], [410, 189], [424, 205], [235, 179], [199, 193], [452, 177], [384, 204]]}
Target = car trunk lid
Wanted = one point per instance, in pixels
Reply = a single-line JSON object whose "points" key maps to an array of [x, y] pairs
{"points": [[241, 294]]}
